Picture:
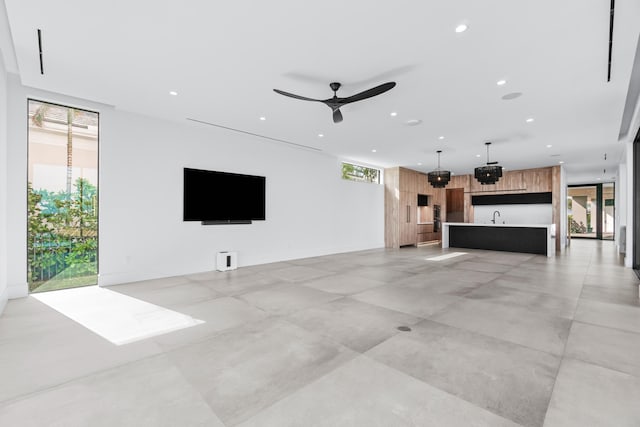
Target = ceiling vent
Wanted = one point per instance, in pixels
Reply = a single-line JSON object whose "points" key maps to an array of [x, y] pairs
{"points": [[40, 51]]}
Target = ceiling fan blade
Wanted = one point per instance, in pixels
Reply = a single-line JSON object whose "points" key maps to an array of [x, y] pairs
{"points": [[369, 93], [293, 95], [337, 116]]}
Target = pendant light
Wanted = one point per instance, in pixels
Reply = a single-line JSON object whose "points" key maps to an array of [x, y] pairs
{"points": [[489, 174], [439, 178]]}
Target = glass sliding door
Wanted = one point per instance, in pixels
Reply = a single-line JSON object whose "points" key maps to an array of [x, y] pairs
{"points": [[608, 211], [591, 211], [581, 209], [62, 197]]}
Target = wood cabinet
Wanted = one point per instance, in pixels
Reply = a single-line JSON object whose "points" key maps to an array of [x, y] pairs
{"points": [[402, 187], [409, 180], [408, 221], [425, 233], [423, 185], [401, 206]]}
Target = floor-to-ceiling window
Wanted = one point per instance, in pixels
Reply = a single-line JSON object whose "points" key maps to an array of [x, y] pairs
{"points": [[62, 231], [608, 211], [591, 211]]}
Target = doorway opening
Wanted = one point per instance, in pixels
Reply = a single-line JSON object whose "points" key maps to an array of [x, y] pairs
{"points": [[62, 197]]}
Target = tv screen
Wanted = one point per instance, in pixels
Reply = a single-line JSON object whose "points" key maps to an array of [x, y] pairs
{"points": [[223, 197]]}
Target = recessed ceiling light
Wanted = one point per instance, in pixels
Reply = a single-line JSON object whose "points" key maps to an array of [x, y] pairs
{"points": [[461, 28], [413, 122], [549, 145], [173, 92], [477, 155], [501, 82], [598, 179], [393, 114], [419, 164], [529, 120], [374, 150], [263, 118], [320, 135], [561, 162], [441, 137]]}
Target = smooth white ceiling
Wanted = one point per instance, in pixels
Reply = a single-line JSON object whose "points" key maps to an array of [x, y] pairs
{"points": [[224, 59]]}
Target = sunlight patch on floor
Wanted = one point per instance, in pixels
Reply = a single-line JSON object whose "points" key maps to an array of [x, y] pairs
{"points": [[118, 318], [447, 256]]}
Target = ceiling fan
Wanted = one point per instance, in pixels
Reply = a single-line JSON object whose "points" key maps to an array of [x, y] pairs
{"points": [[335, 103]]}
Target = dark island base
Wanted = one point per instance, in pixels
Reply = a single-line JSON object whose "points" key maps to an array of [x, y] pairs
{"points": [[511, 239]]}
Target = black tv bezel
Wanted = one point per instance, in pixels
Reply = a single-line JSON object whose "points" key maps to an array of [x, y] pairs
{"points": [[209, 220]]}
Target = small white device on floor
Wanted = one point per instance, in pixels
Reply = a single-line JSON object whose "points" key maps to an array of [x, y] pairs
{"points": [[227, 261]]}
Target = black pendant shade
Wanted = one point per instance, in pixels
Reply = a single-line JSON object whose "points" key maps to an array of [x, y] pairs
{"points": [[439, 178], [489, 174]]}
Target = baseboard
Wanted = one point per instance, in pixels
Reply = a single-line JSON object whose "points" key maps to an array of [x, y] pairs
{"points": [[18, 291], [112, 279], [4, 296]]}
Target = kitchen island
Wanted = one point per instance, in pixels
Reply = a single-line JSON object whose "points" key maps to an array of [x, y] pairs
{"points": [[527, 238]]}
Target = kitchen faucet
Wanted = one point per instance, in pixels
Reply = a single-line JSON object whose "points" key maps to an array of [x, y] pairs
{"points": [[494, 216]]}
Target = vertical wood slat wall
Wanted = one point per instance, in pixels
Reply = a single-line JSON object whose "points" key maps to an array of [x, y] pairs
{"points": [[402, 187], [391, 207]]}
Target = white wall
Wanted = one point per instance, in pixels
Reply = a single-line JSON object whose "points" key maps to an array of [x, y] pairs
{"points": [[310, 209], [628, 258], [620, 217], [16, 189], [4, 293], [626, 184], [514, 214]]}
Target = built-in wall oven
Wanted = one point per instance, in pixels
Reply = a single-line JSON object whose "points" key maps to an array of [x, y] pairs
{"points": [[436, 218]]}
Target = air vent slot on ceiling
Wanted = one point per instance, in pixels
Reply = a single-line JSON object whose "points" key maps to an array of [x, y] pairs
{"points": [[40, 51]]}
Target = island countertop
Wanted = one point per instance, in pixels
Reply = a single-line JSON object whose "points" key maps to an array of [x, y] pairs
{"points": [[528, 238]]}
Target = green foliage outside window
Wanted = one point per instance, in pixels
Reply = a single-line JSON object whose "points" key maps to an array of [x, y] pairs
{"points": [[360, 173], [62, 239], [576, 228]]}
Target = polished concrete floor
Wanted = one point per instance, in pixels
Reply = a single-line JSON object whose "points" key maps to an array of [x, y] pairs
{"points": [[496, 339]]}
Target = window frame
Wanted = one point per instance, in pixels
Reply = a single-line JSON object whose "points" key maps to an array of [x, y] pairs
{"points": [[363, 178]]}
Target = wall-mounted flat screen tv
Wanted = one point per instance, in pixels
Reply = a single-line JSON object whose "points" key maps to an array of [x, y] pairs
{"points": [[222, 197]]}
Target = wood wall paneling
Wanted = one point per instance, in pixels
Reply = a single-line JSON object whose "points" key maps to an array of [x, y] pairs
{"points": [[391, 208], [455, 204], [401, 200], [520, 181], [538, 180], [511, 180], [423, 184], [408, 180], [408, 221], [406, 184]]}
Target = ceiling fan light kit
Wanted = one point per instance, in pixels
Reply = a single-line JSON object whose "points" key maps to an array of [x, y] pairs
{"points": [[335, 102], [439, 178], [489, 174]]}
